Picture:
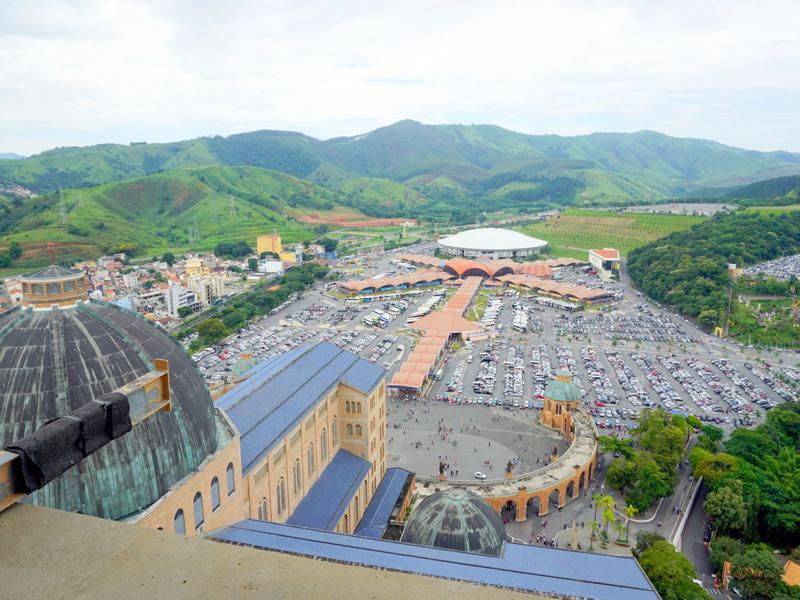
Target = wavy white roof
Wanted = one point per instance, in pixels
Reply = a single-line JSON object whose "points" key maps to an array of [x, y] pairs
{"points": [[491, 239]]}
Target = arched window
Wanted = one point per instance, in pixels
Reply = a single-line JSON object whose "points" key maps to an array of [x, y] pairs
{"points": [[311, 460], [281, 496], [358, 407], [349, 429], [199, 518], [334, 433], [323, 445], [262, 510], [358, 430], [347, 406], [179, 523], [231, 479], [214, 494], [296, 476]]}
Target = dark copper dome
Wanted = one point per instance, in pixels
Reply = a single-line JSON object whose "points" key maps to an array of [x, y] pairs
{"points": [[54, 360], [456, 520]]}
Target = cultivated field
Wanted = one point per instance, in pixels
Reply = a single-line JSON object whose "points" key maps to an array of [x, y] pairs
{"points": [[576, 231]]}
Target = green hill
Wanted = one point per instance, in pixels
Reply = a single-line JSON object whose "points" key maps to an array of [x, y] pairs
{"points": [[781, 190], [688, 269], [467, 168], [155, 213]]}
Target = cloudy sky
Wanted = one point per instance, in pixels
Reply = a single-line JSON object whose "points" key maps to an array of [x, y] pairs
{"points": [[85, 72]]}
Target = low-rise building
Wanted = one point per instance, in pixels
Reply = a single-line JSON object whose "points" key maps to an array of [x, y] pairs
{"points": [[605, 261]]}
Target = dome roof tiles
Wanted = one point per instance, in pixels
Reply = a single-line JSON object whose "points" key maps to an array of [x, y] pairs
{"points": [[456, 520], [99, 348]]}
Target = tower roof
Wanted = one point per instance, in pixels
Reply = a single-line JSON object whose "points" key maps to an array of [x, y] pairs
{"points": [[563, 388], [52, 272]]}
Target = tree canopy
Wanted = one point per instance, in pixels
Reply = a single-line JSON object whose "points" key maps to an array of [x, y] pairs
{"points": [[671, 573], [238, 249], [647, 470], [687, 269]]}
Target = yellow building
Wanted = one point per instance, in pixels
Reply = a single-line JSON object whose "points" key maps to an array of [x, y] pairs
{"points": [[269, 243], [194, 267], [302, 441]]}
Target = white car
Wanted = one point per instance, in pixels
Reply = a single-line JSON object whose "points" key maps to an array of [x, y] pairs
{"points": [[479, 475]]}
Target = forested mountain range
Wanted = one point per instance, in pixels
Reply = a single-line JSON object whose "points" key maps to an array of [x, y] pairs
{"points": [[466, 167], [152, 194]]}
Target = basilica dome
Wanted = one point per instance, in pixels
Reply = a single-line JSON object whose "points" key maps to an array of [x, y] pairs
{"points": [[60, 351]]}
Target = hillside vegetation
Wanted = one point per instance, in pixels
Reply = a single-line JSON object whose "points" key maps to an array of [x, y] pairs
{"points": [[687, 269], [436, 172], [575, 231], [779, 189], [155, 213]]}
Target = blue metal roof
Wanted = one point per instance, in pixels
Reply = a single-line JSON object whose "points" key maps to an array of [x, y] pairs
{"points": [[519, 567], [282, 390], [330, 496], [376, 517]]}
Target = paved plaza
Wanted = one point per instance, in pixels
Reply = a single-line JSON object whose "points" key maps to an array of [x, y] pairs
{"points": [[480, 433]]}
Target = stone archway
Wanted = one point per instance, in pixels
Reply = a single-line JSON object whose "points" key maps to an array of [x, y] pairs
{"points": [[554, 499], [509, 511], [533, 507], [570, 490], [582, 481]]}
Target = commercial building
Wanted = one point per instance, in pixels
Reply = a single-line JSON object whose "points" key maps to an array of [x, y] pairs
{"points": [[605, 261], [177, 296], [270, 268], [491, 241]]}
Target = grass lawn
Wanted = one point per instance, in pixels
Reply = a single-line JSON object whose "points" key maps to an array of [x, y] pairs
{"points": [[478, 307], [775, 209], [576, 231]]}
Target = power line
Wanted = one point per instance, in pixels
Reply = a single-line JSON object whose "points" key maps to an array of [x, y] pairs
{"points": [[62, 208], [194, 232]]}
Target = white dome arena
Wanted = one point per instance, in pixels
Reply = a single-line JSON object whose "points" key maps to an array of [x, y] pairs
{"points": [[498, 243]]}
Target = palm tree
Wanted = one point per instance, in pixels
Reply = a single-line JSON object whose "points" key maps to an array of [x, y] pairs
{"points": [[607, 504], [608, 518], [596, 498], [619, 526], [595, 526], [630, 511]]}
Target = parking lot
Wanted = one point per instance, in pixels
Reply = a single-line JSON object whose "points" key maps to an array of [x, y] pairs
{"points": [[780, 268], [625, 356]]}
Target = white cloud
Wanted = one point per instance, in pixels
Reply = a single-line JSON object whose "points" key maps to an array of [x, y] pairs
{"points": [[114, 71]]}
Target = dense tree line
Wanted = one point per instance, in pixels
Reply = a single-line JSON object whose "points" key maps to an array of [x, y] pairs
{"points": [[755, 482], [231, 250], [646, 467], [767, 189], [687, 269]]}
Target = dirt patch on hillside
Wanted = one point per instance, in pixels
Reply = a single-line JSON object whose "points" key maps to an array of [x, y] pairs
{"points": [[350, 221]]}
